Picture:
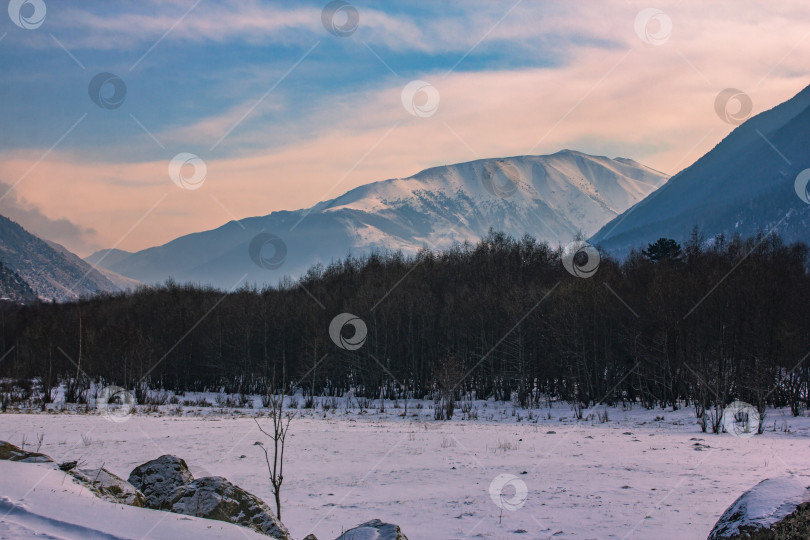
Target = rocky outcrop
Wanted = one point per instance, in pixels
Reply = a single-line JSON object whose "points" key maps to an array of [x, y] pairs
{"points": [[167, 484], [100, 482], [374, 530], [110, 487], [774, 509], [158, 478], [13, 453], [216, 498]]}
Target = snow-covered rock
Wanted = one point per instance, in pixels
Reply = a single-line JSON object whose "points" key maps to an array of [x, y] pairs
{"points": [[216, 498], [110, 487], [374, 530], [39, 501], [158, 478], [10, 452], [776, 508]]}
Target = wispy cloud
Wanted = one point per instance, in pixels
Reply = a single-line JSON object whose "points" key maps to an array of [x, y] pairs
{"points": [[584, 81]]}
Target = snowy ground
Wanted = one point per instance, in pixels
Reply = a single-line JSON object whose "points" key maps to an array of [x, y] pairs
{"points": [[642, 474]]}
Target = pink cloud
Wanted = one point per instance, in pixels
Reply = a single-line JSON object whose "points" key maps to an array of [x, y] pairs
{"points": [[652, 104]]}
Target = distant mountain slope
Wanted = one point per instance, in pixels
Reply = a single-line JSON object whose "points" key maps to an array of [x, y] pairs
{"points": [[742, 185], [48, 268], [107, 256], [550, 197], [14, 288]]}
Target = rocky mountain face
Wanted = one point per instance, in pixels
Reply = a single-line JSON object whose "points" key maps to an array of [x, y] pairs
{"points": [[50, 271]]}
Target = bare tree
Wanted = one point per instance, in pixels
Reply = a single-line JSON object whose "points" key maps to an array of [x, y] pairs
{"points": [[281, 426]]}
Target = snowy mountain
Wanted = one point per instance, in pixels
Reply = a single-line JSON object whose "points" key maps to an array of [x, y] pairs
{"points": [[743, 185], [550, 197], [49, 269]]}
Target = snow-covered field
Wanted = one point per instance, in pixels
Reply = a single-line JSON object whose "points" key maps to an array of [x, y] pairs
{"points": [[642, 474]]}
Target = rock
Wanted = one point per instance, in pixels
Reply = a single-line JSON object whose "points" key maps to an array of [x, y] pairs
{"points": [[374, 530], [310, 537], [214, 497], [774, 509], [158, 478], [10, 452], [108, 486]]}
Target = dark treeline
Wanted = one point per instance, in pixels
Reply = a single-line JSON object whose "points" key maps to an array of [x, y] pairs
{"points": [[667, 326]]}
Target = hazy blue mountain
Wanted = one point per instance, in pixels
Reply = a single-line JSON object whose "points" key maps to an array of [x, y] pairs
{"points": [[107, 256], [743, 185], [550, 197]]}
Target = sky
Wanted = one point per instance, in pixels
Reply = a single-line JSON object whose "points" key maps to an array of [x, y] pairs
{"points": [[128, 124]]}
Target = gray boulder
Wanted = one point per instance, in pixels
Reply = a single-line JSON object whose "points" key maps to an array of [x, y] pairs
{"points": [[10, 452], [374, 530], [216, 498], [774, 509], [158, 478], [108, 486]]}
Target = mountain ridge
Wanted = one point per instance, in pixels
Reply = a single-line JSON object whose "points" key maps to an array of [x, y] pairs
{"points": [[553, 197], [48, 268], [744, 185]]}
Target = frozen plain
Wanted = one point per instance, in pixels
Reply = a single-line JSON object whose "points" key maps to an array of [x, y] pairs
{"points": [[641, 474]]}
